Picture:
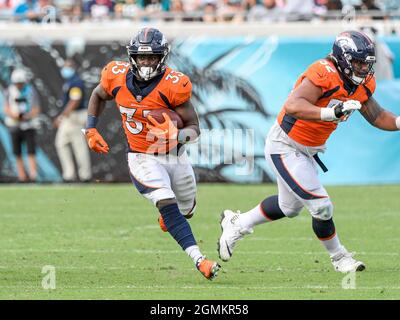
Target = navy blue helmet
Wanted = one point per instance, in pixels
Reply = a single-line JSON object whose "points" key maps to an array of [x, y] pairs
{"points": [[354, 54], [148, 41]]}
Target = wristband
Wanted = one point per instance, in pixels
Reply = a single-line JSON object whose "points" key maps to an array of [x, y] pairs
{"points": [[328, 114], [91, 121], [398, 122]]}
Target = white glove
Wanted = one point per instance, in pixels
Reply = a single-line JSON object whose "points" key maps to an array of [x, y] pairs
{"points": [[350, 106], [341, 111]]}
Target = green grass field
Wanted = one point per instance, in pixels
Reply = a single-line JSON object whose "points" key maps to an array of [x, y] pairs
{"points": [[105, 243]]}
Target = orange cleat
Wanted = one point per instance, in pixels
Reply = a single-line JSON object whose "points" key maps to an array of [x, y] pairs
{"points": [[162, 225], [209, 269]]}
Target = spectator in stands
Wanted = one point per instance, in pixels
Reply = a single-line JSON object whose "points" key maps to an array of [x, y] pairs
{"points": [[6, 8], [21, 108], [369, 5], [194, 8], [299, 10], [99, 9], [36, 11], [69, 10], [334, 5], [268, 10], [127, 9], [231, 10], [209, 10], [69, 138], [153, 9], [176, 11], [328, 9]]}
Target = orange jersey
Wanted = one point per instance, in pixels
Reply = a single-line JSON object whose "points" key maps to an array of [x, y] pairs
{"points": [[323, 74], [168, 90]]}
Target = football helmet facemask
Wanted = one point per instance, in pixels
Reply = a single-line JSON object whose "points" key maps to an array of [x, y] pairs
{"points": [[148, 42], [354, 54]]}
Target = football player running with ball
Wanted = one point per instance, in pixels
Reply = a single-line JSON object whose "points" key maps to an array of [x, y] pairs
{"points": [[158, 164], [328, 92]]}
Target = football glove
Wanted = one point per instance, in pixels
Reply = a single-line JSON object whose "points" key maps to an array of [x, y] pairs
{"points": [[95, 141], [163, 131], [340, 111]]}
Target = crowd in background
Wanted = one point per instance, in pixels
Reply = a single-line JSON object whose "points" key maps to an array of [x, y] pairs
{"points": [[193, 10]]}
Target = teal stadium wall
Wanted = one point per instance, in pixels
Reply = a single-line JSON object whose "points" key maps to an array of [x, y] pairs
{"points": [[238, 83]]}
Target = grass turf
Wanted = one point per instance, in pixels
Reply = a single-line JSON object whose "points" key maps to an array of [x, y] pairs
{"points": [[105, 243]]}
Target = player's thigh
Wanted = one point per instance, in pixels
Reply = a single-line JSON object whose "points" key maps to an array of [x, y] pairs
{"points": [[288, 202], [150, 177], [183, 183], [299, 174]]}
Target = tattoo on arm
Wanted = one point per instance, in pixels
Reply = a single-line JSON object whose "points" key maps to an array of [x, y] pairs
{"points": [[371, 110]]}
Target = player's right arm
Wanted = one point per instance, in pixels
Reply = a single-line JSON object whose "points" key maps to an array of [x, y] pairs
{"points": [[97, 102], [301, 103], [100, 95]]}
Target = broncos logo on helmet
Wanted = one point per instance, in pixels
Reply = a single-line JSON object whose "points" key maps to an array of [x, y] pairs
{"points": [[150, 43], [354, 54]]}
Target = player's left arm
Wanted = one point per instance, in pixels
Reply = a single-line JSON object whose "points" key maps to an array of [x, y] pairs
{"points": [[191, 129], [379, 117]]}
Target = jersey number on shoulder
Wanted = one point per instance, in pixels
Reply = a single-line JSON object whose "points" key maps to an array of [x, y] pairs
{"points": [[174, 76], [120, 67], [327, 66], [138, 126]]}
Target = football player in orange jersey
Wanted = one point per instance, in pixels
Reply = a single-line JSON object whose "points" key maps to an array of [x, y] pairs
{"points": [[157, 160], [323, 96]]}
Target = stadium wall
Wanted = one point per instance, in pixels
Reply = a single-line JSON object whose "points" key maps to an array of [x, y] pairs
{"points": [[240, 83]]}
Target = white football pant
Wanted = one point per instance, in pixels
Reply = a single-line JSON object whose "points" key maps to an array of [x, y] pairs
{"points": [[297, 175], [160, 177]]}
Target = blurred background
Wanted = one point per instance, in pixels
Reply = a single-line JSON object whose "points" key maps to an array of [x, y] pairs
{"points": [[243, 58]]}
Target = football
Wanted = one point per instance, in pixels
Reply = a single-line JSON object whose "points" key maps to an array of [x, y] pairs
{"points": [[157, 115]]}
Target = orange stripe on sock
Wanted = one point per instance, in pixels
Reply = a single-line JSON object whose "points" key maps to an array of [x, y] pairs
{"points": [[328, 238], [264, 214]]}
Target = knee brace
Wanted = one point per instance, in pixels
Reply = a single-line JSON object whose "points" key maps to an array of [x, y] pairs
{"points": [[271, 209], [323, 229]]}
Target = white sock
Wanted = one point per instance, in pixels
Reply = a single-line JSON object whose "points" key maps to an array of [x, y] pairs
{"points": [[252, 217], [194, 253], [332, 245]]}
